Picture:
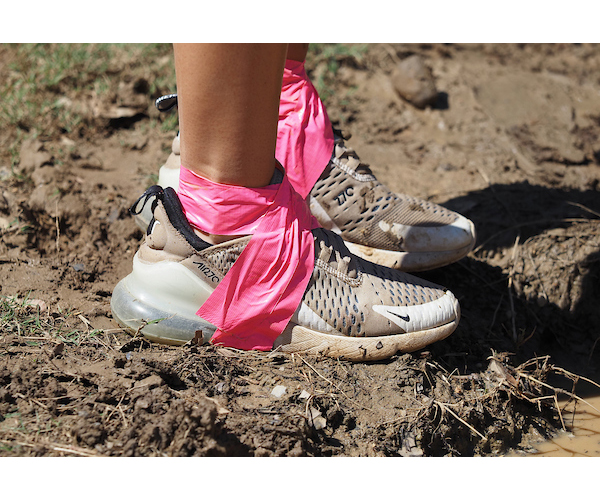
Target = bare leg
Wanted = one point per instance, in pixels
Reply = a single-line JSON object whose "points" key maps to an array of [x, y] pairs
{"points": [[297, 51], [228, 110]]}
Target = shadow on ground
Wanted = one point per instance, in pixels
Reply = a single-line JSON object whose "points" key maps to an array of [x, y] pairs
{"points": [[531, 285]]}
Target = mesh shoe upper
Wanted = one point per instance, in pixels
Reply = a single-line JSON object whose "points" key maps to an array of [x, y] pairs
{"points": [[353, 203], [395, 230]]}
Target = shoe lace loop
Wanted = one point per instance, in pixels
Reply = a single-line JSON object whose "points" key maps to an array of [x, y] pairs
{"points": [[343, 268], [346, 159]]}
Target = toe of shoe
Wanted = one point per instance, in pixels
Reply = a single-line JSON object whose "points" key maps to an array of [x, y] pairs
{"points": [[440, 238], [420, 317]]}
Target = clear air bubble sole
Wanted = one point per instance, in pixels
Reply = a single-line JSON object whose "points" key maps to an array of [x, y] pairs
{"points": [[165, 314]]}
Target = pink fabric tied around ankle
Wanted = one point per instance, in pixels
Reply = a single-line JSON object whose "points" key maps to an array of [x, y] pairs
{"points": [[304, 132], [256, 299]]}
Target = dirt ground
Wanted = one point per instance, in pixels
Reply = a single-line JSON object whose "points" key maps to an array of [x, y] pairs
{"points": [[511, 140]]}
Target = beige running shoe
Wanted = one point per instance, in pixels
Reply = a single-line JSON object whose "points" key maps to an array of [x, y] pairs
{"points": [[351, 309], [394, 230]]}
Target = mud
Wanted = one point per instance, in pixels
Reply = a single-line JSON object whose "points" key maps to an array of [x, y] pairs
{"points": [[512, 141], [582, 439]]}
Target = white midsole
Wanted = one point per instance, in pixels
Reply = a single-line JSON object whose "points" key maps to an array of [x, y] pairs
{"points": [[180, 292]]}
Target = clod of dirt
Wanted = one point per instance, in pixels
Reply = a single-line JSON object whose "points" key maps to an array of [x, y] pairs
{"points": [[33, 155], [413, 80]]}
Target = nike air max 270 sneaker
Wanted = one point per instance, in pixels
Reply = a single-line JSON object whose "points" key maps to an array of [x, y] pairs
{"points": [[394, 230], [351, 309]]}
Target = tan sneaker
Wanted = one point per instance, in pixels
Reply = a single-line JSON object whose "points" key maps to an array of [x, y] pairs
{"points": [[394, 230], [351, 309]]}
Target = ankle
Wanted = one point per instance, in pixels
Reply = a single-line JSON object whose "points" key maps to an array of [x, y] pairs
{"points": [[214, 239]]}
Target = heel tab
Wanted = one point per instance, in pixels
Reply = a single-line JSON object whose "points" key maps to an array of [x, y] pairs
{"points": [[166, 102], [155, 192], [179, 221]]}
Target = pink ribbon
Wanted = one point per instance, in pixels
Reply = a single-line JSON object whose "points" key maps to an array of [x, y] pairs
{"points": [[256, 299], [304, 133]]}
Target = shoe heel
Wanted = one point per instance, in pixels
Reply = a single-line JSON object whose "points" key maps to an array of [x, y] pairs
{"points": [[139, 305]]}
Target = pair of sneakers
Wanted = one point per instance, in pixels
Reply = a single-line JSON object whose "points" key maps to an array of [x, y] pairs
{"points": [[360, 304]]}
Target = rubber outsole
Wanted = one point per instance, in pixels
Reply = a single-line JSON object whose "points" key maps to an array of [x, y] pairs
{"points": [[299, 340]]}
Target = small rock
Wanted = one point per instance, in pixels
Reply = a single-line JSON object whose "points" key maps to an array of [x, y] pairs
{"points": [[150, 382], [304, 395], [317, 420], [142, 403], [35, 304], [5, 173], [413, 80], [278, 391], [67, 142]]}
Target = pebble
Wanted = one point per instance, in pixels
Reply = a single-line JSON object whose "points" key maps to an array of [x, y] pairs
{"points": [[304, 395], [5, 173], [278, 391], [413, 80], [318, 421]]}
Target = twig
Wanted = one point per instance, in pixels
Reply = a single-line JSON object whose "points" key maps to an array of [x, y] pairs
{"points": [[322, 376], [572, 376], [583, 207], [562, 422], [56, 220], [53, 446], [510, 287], [556, 389], [592, 350], [331, 383], [443, 407]]}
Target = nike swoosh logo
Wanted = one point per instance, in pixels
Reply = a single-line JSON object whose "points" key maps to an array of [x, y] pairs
{"points": [[394, 314], [403, 318], [420, 316]]}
